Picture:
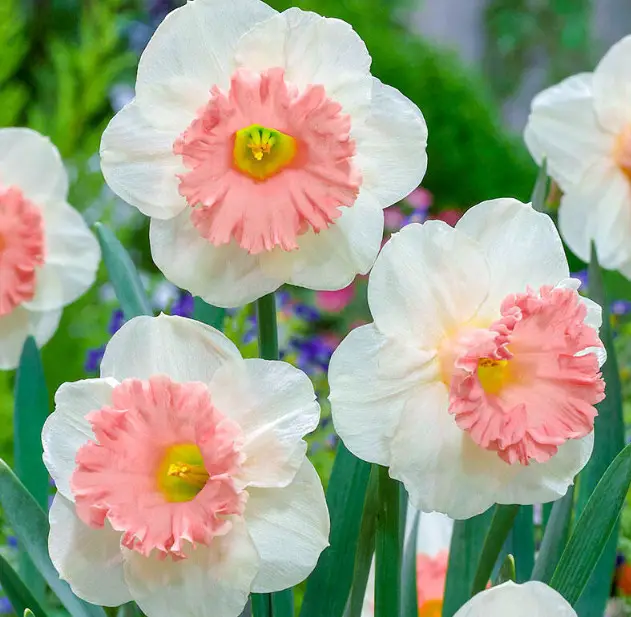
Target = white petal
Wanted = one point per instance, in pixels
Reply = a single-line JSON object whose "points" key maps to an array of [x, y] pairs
{"points": [[543, 482], [275, 406], [312, 50], [197, 42], [66, 429], [564, 129], [370, 377], [31, 162], [90, 560], [214, 581], [428, 280], [612, 86], [528, 600], [391, 146], [441, 467], [332, 259], [183, 349], [72, 257], [522, 247], [224, 276], [17, 326], [290, 528], [598, 209], [137, 157]]}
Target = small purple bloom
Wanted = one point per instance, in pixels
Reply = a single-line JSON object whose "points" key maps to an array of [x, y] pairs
{"points": [[5, 606], [12, 542], [93, 359], [184, 305], [306, 312], [583, 277], [620, 307], [116, 321]]}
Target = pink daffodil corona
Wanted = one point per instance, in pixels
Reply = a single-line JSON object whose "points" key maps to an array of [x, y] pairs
{"points": [[477, 381], [262, 149], [181, 474]]}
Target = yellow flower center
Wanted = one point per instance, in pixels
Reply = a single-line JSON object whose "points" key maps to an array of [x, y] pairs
{"points": [[431, 608], [260, 152], [181, 473], [622, 151], [493, 374]]}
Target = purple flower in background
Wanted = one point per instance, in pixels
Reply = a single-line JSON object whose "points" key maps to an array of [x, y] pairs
{"points": [[93, 359], [5, 606], [184, 305], [116, 321], [582, 276], [620, 307], [306, 312]]}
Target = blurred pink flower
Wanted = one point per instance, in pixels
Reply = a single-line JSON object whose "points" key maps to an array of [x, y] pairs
{"points": [[450, 216], [420, 199], [333, 301], [394, 218], [431, 573]]}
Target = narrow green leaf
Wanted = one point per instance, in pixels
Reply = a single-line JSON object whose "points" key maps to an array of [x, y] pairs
{"points": [[467, 542], [30, 525], [207, 313], [593, 529], [521, 543], [261, 604], [507, 571], [30, 413], [409, 599], [283, 603], [18, 592], [129, 610], [365, 547], [122, 274], [28, 612], [501, 525], [555, 538], [387, 547], [540, 192], [608, 441], [329, 585]]}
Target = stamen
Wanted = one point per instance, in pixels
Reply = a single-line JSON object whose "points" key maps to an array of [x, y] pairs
{"points": [[261, 152], [493, 374], [195, 475]]}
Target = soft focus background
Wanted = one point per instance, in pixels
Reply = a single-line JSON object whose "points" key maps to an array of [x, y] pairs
{"points": [[472, 66]]}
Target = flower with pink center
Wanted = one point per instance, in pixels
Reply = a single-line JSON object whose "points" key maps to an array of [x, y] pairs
{"points": [[262, 149], [477, 382], [582, 127], [48, 257], [527, 600], [181, 474]]}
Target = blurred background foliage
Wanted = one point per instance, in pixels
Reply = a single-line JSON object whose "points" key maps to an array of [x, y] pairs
{"points": [[68, 65]]}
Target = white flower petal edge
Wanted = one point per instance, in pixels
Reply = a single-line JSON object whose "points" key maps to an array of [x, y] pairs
{"points": [[213, 581], [89, 559], [17, 326], [275, 406], [527, 600], [183, 349], [289, 529], [67, 429], [31, 162], [563, 129]]}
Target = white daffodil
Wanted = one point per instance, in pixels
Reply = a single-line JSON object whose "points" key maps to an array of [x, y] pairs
{"points": [[582, 126], [181, 474], [48, 257], [476, 383], [527, 600], [262, 149]]}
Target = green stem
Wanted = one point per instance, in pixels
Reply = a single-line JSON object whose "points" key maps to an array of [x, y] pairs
{"points": [[262, 603], [268, 330], [387, 548]]}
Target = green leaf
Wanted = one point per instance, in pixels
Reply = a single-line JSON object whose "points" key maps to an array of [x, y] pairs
{"points": [[30, 525], [283, 603], [267, 327], [387, 547], [521, 543], [467, 542], [507, 571], [365, 547], [122, 274], [540, 192], [555, 538], [17, 592], [501, 525], [30, 413], [329, 585], [608, 441], [129, 610], [261, 604], [409, 599], [207, 313], [593, 529]]}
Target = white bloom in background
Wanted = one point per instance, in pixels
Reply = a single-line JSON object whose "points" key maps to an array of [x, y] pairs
{"points": [[48, 257], [476, 383], [528, 600], [262, 149], [582, 126], [181, 474]]}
